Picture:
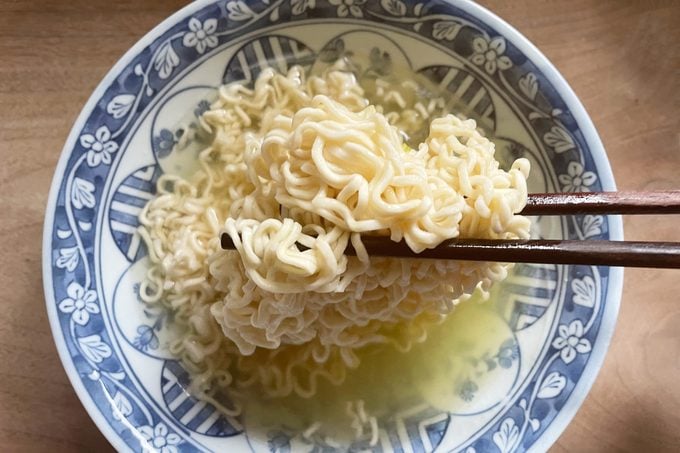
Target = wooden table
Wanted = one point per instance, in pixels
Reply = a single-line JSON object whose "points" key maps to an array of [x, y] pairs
{"points": [[621, 57]]}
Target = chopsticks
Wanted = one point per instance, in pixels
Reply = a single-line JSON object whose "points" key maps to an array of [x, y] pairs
{"points": [[592, 252], [624, 202], [589, 252]]}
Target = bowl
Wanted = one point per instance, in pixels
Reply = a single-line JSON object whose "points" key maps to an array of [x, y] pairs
{"points": [[557, 320]]}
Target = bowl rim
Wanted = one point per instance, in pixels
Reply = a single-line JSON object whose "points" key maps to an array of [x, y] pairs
{"points": [[604, 170], [546, 68]]}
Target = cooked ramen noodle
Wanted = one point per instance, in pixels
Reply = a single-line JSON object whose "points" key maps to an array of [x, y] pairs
{"points": [[297, 169]]}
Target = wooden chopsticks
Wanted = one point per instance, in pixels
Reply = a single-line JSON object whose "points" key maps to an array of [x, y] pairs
{"points": [[655, 202], [593, 252], [589, 252]]}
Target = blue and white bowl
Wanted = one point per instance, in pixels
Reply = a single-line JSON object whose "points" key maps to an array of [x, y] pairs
{"points": [[559, 319]]}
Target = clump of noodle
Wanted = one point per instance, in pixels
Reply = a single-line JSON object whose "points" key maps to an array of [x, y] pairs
{"points": [[298, 162], [325, 175]]}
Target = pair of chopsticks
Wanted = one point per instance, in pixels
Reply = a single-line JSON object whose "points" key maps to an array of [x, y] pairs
{"points": [[590, 252]]}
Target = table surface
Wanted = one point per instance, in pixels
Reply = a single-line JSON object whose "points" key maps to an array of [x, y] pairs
{"points": [[621, 57]]}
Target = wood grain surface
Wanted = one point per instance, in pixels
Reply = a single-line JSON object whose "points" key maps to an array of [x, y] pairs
{"points": [[622, 58]]}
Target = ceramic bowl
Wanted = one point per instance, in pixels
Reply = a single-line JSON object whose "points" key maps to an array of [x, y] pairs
{"points": [[558, 320]]}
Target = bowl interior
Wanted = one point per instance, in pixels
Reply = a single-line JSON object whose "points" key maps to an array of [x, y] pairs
{"points": [[551, 323]]}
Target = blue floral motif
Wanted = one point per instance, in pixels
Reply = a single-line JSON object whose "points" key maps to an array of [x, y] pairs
{"points": [[585, 291], [332, 51], [146, 338], [163, 143], [239, 11], [94, 348], [506, 436], [68, 258], [381, 63], [82, 193], [121, 408], [279, 442], [348, 7], [577, 178], [552, 386], [201, 35], [394, 7], [80, 303], [570, 341], [489, 54], [99, 146], [528, 85], [561, 142], [508, 352], [202, 107], [159, 439], [300, 6], [120, 105], [592, 225], [166, 61], [467, 390]]}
